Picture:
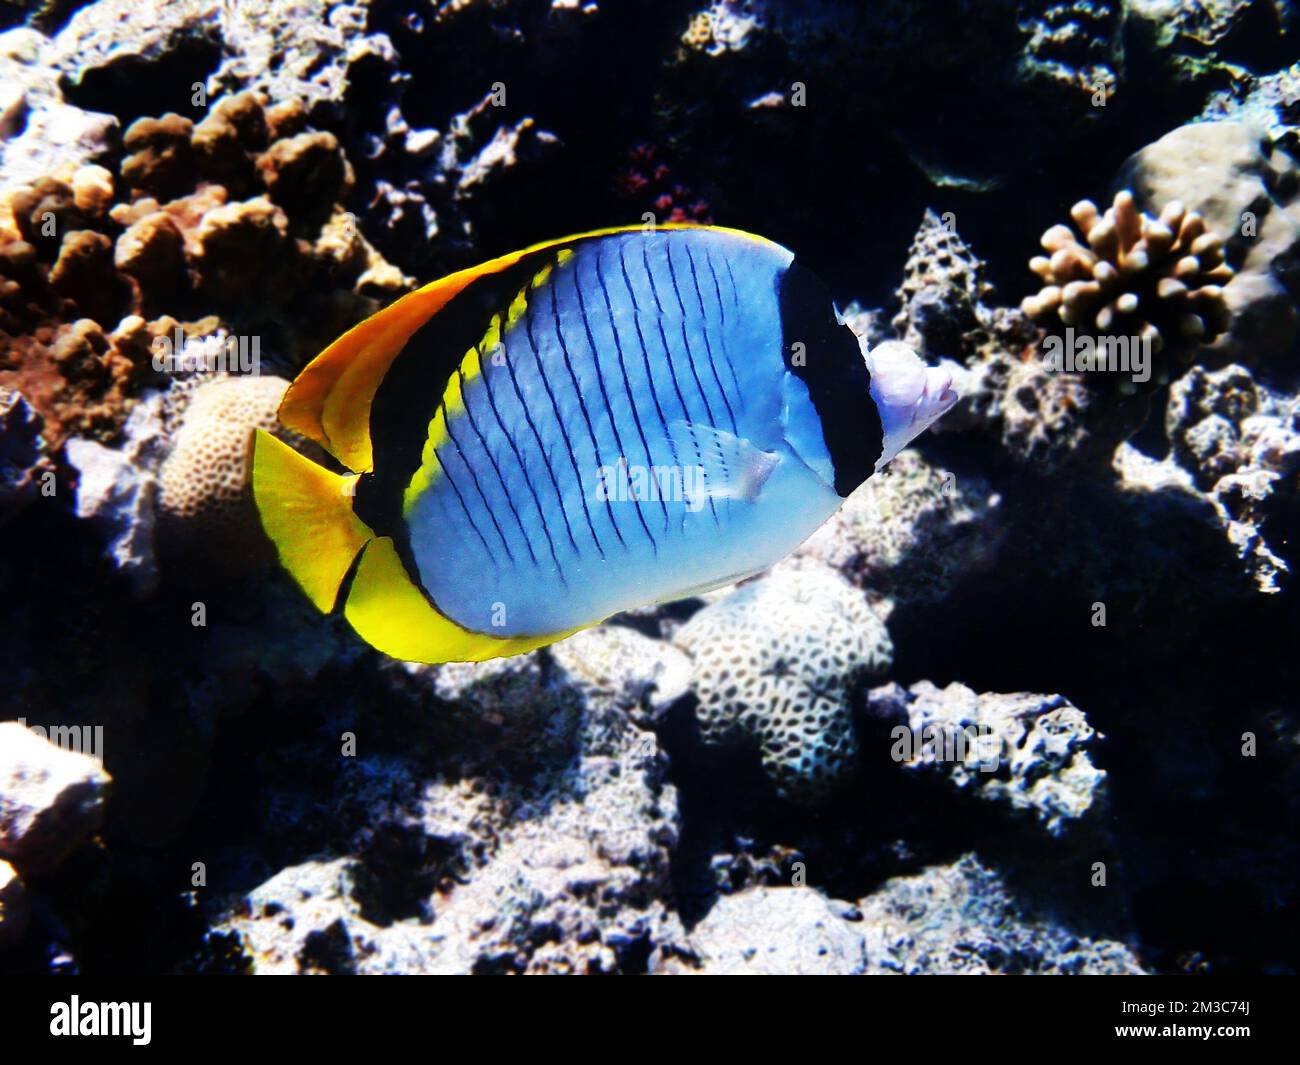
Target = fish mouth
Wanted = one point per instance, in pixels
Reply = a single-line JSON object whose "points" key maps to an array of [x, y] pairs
{"points": [[937, 397]]}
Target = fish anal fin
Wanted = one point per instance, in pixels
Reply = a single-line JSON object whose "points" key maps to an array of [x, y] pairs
{"points": [[306, 511]]}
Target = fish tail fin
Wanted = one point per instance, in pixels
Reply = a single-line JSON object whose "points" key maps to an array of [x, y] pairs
{"points": [[307, 512]]}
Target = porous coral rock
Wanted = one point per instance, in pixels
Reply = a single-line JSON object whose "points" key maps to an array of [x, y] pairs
{"points": [[779, 931], [1030, 752], [911, 531], [962, 918], [640, 676], [1236, 444], [956, 918], [204, 503], [546, 850], [776, 665]]}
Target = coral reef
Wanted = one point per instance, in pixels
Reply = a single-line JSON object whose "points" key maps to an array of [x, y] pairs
{"points": [[911, 531], [963, 919], [1234, 444], [22, 461], [194, 198], [100, 263], [950, 919]]}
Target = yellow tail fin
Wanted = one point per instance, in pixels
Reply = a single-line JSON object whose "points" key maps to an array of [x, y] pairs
{"points": [[307, 512]]}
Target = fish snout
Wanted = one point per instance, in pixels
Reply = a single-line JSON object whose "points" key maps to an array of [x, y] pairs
{"points": [[938, 396]]}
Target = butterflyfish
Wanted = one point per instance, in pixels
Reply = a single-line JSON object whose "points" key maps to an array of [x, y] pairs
{"points": [[601, 422]]}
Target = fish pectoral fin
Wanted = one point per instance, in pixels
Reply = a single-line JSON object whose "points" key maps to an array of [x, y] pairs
{"points": [[717, 464]]}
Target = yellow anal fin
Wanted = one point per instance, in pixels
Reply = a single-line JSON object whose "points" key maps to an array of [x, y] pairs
{"points": [[329, 402], [307, 512], [391, 614]]}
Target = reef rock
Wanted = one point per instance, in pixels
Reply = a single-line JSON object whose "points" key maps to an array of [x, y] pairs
{"points": [[961, 919], [51, 800], [1030, 752], [117, 489], [1235, 444], [770, 931], [910, 532], [15, 906], [22, 463], [1249, 193], [543, 845]]}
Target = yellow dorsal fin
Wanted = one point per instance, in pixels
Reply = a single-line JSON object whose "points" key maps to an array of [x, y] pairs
{"points": [[307, 512], [391, 614], [329, 402]]}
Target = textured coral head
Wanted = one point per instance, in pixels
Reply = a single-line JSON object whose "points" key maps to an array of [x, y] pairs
{"points": [[909, 395]]}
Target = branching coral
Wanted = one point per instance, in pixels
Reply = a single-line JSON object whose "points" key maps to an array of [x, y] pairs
{"points": [[1159, 279]]}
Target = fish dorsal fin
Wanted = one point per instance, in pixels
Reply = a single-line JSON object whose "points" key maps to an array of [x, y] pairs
{"points": [[329, 402]]}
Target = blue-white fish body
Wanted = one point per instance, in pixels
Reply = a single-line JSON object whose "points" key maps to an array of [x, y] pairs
{"points": [[594, 424]]}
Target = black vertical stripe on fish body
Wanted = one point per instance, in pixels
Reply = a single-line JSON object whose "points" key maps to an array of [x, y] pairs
{"points": [[572, 379], [835, 375], [627, 381], [594, 353], [410, 394]]}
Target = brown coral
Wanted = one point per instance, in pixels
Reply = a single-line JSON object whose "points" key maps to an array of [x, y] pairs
{"points": [[162, 159], [233, 224], [1136, 275]]}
